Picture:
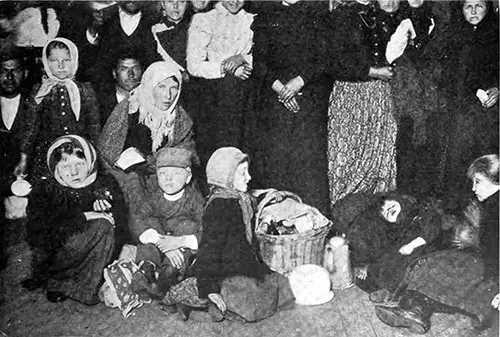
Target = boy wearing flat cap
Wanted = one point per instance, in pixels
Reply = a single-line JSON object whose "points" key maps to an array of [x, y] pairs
{"points": [[168, 223]]}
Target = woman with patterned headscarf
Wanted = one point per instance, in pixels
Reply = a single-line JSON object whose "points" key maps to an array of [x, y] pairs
{"points": [[149, 120], [64, 105], [77, 223]]}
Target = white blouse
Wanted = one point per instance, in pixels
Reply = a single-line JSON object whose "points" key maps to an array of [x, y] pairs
{"points": [[216, 35]]}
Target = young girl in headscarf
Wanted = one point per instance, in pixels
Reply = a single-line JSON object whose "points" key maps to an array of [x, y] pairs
{"points": [[65, 106], [228, 270], [149, 120], [77, 223]]}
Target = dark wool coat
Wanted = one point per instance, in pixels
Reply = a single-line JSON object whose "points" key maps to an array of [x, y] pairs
{"points": [[224, 250], [489, 235], [19, 138], [462, 59], [465, 279], [71, 252], [174, 39], [55, 212], [414, 96], [371, 237], [55, 118], [180, 217], [290, 149]]}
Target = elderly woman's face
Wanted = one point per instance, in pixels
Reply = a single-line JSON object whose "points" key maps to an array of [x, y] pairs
{"points": [[389, 6], [474, 11], [483, 187], [165, 92], [73, 170], [390, 210]]}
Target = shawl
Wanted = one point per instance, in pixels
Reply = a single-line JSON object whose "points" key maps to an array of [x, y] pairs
{"points": [[114, 133], [245, 201], [161, 123], [51, 80], [88, 151]]}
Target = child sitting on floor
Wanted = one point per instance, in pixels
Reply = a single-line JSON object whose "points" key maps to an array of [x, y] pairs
{"points": [[168, 223]]}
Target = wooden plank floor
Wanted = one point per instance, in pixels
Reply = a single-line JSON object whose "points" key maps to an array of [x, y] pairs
{"points": [[349, 314]]}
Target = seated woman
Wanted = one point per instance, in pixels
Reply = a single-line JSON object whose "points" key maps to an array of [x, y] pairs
{"points": [[465, 279], [392, 230], [228, 270], [151, 119], [64, 106], [77, 223]]}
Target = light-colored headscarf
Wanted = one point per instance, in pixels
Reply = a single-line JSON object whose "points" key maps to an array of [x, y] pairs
{"points": [[51, 80], [160, 122], [89, 153], [220, 170]]}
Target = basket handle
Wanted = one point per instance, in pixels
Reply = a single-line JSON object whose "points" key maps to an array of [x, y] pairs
{"points": [[272, 196]]}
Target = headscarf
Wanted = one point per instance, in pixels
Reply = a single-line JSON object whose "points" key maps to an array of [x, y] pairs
{"points": [[161, 123], [88, 151], [220, 174], [51, 80]]}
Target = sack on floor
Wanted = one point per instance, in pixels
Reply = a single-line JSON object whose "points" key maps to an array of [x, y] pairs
{"points": [[116, 292], [15, 207]]}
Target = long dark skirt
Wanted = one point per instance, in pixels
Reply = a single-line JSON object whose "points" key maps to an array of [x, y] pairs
{"points": [[77, 267], [249, 299], [290, 149], [219, 120]]}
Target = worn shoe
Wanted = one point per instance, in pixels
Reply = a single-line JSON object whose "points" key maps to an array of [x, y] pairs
{"points": [[383, 296], [401, 318], [56, 296]]}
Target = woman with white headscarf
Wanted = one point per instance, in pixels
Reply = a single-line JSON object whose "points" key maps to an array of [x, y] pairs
{"points": [[149, 120], [77, 223], [64, 105]]}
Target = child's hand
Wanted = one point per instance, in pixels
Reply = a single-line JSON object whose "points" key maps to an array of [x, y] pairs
{"points": [[492, 97], [406, 249], [218, 301], [101, 205], [100, 215], [175, 257], [243, 72], [496, 301]]}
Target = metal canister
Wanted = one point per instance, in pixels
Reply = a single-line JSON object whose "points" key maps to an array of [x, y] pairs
{"points": [[337, 262]]}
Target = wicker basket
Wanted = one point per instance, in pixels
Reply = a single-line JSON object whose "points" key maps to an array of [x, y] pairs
{"points": [[282, 253]]}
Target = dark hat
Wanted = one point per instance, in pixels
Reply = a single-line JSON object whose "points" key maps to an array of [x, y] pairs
{"points": [[173, 156], [9, 51]]}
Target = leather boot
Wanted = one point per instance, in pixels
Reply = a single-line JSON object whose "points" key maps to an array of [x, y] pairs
{"points": [[414, 312]]}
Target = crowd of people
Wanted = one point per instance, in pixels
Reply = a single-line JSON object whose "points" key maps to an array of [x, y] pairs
{"points": [[148, 122]]}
